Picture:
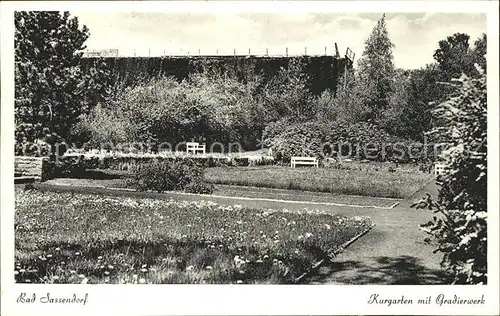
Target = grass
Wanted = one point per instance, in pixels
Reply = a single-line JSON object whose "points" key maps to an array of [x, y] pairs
{"points": [[246, 192], [365, 182], [85, 238]]}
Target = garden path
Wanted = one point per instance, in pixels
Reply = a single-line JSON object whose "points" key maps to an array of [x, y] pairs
{"points": [[393, 252]]}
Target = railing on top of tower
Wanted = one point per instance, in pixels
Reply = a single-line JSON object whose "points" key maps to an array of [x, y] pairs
{"points": [[349, 54]]}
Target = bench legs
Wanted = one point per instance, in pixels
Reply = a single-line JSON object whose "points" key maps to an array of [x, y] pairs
{"points": [[314, 165]]}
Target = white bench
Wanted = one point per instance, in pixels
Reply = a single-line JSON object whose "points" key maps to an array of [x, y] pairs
{"points": [[310, 161], [193, 147]]}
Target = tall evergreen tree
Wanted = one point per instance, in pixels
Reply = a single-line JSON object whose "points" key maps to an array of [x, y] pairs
{"points": [[51, 91], [376, 66]]}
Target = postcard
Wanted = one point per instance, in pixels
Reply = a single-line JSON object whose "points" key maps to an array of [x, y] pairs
{"points": [[257, 158]]}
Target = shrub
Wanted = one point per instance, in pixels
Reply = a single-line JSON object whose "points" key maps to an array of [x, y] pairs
{"points": [[207, 107], [460, 229], [71, 166], [199, 188], [164, 175], [241, 161], [325, 139], [287, 139], [106, 126]]}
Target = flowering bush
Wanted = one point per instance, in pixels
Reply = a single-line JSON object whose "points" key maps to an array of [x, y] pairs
{"points": [[85, 238], [462, 203]]}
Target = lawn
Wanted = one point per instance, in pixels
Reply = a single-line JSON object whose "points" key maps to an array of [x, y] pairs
{"points": [[366, 182], [85, 238]]}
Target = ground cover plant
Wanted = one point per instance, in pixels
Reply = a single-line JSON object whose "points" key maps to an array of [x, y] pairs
{"points": [[84, 238], [367, 182]]}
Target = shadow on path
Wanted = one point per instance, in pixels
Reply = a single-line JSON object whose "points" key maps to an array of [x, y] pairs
{"points": [[379, 270]]}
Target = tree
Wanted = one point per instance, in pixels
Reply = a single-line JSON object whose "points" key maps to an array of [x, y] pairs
{"points": [[479, 52], [461, 225], [415, 95], [51, 91], [287, 94], [417, 92], [376, 66], [455, 56], [352, 99]]}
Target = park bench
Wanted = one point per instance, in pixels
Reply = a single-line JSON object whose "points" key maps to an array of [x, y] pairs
{"points": [[310, 161], [193, 147]]}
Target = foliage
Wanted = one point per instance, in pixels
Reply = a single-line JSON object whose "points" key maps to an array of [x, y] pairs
{"points": [[414, 117], [287, 139], [288, 96], [72, 166], [479, 52], [417, 92], [104, 125], [51, 91], [326, 106], [165, 175], [376, 66], [351, 98], [461, 227], [323, 139], [455, 56], [199, 188], [103, 239], [211, 107]]}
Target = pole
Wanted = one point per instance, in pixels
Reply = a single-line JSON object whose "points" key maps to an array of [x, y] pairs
{"points": [[287, 52], [267, 52], [305, 51], [345, 73]]}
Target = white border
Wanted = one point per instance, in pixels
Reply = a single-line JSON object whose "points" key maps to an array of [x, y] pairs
{"points": [[249, 300]]}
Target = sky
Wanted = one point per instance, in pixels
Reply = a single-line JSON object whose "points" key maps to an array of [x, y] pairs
{"points": [[415, 35]]}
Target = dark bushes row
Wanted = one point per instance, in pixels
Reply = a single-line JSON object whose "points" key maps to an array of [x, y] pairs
{"points": [[151, 174], [74, 165], [359, 141]]}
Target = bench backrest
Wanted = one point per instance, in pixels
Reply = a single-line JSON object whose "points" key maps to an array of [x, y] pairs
{"points": [[312, 159], [439, 168]]}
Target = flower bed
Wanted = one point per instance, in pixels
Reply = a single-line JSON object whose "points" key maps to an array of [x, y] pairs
{"points": [[84, 238]]}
